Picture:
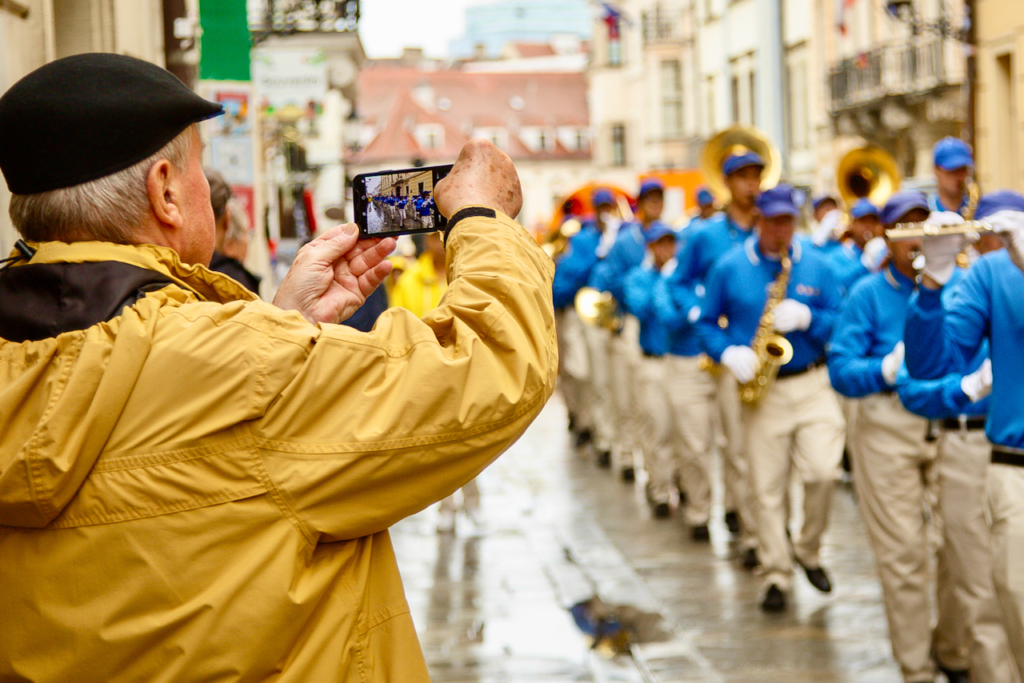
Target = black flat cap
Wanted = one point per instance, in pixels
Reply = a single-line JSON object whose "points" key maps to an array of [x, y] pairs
{"points": [[85, 117]]}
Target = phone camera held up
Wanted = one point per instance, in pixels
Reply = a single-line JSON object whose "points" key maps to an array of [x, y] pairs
{"points": [[399, 202]]}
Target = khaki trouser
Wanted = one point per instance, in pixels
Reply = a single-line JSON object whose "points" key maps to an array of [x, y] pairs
{"points": [[963, 462], [602, 410], [739, 493], [678, 399], [798, 424], [574, 368], [1006, 511], [624, 370], [897, 488], [470, 498]]}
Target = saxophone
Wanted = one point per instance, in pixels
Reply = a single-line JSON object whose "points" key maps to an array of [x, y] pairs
{"points": [[772, 349]]}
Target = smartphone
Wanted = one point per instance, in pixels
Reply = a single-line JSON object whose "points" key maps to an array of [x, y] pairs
{"points": [[398, 202]]}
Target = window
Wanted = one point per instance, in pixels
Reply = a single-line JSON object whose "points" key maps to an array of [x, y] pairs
{"points": [[671, 99], [619, 145], [735, 99], [581, 139], [430, 135], [542, 141], [798, 121], [753, 97], [709, 111], [1004, 113]]}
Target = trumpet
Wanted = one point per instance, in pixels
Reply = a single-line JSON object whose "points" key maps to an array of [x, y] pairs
{"points": [[913, 231]]}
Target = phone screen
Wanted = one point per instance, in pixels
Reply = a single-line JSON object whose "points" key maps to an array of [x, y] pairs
{"points": [[398, 202]]}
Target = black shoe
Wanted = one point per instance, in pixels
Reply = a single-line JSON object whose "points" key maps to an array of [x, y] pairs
{"points": [[661, 510], [774, 599], [749, 559], [584, 437], [604, 459], [628, 474], [732, 522], [700, 533], [955, 675], [818, 579]]}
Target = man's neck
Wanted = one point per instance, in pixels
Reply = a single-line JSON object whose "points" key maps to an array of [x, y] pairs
{"points": [[645, 220], [951, 202], [905, 269], [743, 217]]}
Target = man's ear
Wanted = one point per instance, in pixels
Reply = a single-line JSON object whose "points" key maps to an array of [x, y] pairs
{"points": [[162, 188]]}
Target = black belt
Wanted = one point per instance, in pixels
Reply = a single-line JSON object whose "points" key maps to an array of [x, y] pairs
{"points": [[964, 422], [648, 354], [1003, 455], [793, 373]]}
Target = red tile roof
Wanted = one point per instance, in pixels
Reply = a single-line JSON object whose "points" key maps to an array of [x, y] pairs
{"points": [[400, 98], [528, 50]]}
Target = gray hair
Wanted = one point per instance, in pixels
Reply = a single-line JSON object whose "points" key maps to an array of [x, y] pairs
{"points": [[238, 222], [109, 209]]}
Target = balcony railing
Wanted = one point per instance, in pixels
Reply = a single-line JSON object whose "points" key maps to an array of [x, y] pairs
{"points": [[287, 17], [893, 70]]}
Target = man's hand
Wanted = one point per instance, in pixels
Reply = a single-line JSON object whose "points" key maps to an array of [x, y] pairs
{"points": [[334, 274], [874, 255], [940, 251], [1010, 227], [891, 364], [483, 175], [742, 361], [791, 315], [978, 384]]}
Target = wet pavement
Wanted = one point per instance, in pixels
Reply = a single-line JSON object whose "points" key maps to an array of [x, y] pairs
{"points": [[491, 604]]}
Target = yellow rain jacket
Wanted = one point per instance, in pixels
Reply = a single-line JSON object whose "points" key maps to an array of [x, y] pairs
{"points": [[419, 288], [199, 487]]}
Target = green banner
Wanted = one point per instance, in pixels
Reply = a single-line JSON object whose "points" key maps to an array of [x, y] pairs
{"points": [[224, 46]]}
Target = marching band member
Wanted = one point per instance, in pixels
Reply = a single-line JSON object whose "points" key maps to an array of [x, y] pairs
{"points": [[624, 361], [894, 460], [705, 209], [721, 233], [943, 336], [959, 403], [798, 423], [826, 226], [865, 250], [585, 249], [953, 162]]}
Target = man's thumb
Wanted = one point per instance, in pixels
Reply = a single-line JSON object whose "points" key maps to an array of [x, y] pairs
{"points": [[338, 240]]}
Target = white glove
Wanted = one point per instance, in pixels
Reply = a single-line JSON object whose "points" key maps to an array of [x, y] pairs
{"points": [[1010, 226], [875, 253], [828, 229], [978, 384], [741, 361], [940, 252], [891, 364], [791, 315]]}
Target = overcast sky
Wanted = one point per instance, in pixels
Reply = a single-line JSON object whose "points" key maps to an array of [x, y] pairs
{"points": [[386, 26]]}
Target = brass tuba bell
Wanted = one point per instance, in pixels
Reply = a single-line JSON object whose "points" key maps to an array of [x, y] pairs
{"points": [[867, 173], [736, 140], [598, 309]]}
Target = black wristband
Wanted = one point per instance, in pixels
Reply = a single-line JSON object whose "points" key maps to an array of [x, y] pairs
{"points": [[468, 212]]}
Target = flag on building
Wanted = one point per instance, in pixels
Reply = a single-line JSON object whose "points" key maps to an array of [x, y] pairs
{"points": [[841, 7]]}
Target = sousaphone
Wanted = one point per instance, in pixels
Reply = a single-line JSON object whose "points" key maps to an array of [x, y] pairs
{"points": [[867, 173], [738, 140]]}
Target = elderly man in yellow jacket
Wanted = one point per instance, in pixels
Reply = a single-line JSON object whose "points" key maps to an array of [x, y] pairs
{"points": [[197, 485], [420, 289]]}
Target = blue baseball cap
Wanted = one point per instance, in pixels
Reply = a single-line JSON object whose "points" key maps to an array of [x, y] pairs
{"points": [[657, 231], [704, 197], [602, 196], [902, 203], [820, 199], [863, 208], [777, 201], [650, 185], [1003, 200], [735, 162], [952, 153]]}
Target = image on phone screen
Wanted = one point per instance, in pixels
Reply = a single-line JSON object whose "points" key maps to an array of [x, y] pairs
{"points": [[398, 202]]}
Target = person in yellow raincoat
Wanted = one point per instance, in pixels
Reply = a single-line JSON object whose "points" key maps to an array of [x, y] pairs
{"points": [[196, 485]]}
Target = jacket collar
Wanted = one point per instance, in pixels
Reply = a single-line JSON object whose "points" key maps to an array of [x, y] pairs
{"points": [[897, 280], [753, 251], [206, 284]]}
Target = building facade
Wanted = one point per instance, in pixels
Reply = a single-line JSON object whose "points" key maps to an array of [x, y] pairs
{"points": [[999, 119], [34, 32], [490, 27]]}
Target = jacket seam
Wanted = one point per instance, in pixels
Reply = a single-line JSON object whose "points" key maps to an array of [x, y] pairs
{"points": [[393, 444], [275, 493], [223, 496], [144, 460]]}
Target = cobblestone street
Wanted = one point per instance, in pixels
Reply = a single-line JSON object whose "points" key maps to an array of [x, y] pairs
{"points": [[491, 604]]}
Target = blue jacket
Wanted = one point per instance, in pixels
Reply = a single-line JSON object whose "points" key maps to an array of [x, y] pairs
{"points": [[639, 292], [845, 261], [937, 399], [628, 252], [574, 268], [737, 287], [944, 338], [678, 315], [704, 246]]}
